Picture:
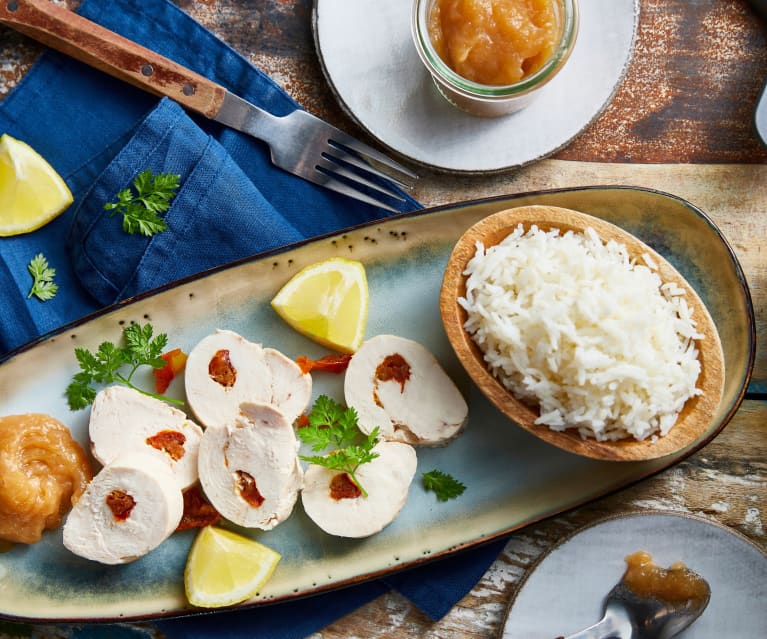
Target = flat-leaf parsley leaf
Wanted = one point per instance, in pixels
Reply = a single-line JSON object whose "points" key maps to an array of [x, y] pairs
{"points": [[142, 211], [444, 486], [111, 363], [42, 275], [332, 425]]}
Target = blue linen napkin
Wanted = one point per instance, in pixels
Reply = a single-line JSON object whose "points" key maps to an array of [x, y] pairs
{"points": [[98, 133]]}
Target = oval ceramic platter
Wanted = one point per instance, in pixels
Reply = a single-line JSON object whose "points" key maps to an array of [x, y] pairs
{"points": [[367, 54], [512, 477]]}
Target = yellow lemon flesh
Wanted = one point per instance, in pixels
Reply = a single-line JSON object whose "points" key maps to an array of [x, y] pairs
{"points": [[224, 568], [328, 303], [31, 192]]}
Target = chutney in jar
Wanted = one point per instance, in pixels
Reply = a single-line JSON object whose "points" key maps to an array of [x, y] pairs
{"points": [[495, 42], [43, 472]]}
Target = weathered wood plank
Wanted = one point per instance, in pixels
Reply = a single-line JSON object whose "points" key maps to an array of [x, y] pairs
{"points": [[688, 95], [710, 484], [679, 122], [733, 195]]}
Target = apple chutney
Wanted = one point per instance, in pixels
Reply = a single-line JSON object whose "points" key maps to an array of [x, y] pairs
{"points": [[43, 472], [677, 583], [495, 42]]}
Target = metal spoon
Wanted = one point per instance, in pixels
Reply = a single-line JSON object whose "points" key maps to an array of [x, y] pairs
{"points": [[631, 616]]}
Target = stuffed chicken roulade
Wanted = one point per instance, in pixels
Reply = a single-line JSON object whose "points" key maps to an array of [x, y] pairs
{"points": [[398, 385], [338, 506], [123, 419], [224, 370], [249, 469], [130, 507]]}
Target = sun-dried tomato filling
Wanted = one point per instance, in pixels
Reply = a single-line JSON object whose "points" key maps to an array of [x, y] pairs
{"points": [[246, 484], [169, 441], [221, 370], [342, 487], [121, 504]]}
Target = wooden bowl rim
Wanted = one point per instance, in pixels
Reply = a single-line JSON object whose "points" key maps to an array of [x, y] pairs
{"points": [[698, 412]]}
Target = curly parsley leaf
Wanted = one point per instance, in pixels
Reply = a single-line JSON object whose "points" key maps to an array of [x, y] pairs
{"points": [[332, 425], [443, 485], [42, 278], [116, 364], [143, 209]]}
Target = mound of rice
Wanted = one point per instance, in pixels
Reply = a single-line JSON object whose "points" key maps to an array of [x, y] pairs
{"points": [[573, 326]]}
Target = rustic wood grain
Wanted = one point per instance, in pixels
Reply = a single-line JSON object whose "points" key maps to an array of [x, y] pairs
{"points": [[682, 122], [710, 484], [688, 95], [109, 52], [734, 196]]}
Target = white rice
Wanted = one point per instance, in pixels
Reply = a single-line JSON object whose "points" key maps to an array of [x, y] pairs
{"points": [[572, 325]]}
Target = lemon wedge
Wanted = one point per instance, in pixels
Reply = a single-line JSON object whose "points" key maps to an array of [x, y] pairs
{"points": [[31, 192], [224, 568], [328, 303]]}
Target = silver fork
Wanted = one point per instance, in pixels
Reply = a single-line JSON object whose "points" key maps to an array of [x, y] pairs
{"points": [[300, 143]]}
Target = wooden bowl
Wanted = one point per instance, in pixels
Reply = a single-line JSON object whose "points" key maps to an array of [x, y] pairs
{"points": [[698, 411]]}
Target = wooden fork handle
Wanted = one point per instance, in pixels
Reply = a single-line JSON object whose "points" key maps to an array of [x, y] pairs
{"points": [[111, 53]]}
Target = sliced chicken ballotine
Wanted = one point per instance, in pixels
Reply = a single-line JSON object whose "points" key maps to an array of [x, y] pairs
{"points": [[123, 419], [224, 370], [337, 506], [249, 469], [130, 507], [398, 385]]}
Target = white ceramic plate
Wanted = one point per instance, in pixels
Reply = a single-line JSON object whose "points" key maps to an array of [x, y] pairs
{"points": [[563, 593], [369, 59]]}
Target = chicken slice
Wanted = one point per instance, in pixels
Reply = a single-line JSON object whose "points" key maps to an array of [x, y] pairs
{"points": [[291, 389], [123, 419], [249, 469], [224, 370], [398, 385], [331, 501], [130, 507]]}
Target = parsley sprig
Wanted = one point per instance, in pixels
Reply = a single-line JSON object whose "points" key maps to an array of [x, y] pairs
{"points": [[42, 274], [142, 212], [332, 425], [112, 363], [445, 486]]}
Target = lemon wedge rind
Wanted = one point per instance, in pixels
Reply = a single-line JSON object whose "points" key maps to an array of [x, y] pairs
{"points": [[328, 303], [224, 568], [32, 193]]}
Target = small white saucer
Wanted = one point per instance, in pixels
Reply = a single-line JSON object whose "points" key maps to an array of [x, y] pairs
{"points": [[564, 592], [369, 59]]}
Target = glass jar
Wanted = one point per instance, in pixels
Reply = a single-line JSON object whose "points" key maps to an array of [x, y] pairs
{"points": [[485, 99]]}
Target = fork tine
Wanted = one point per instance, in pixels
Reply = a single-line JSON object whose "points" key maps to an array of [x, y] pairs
{"points": [[351, 157], [330, 165], [341, 139], [329, 182]]}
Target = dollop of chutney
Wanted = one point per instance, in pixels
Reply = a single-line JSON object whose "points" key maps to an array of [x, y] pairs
{"points": [[674, 584], [43, 472]]}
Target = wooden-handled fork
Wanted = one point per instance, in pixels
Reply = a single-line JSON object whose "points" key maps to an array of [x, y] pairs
{"points": [[299, 142]]}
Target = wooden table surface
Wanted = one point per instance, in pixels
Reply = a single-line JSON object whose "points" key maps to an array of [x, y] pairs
{"points": [[681, 121]]}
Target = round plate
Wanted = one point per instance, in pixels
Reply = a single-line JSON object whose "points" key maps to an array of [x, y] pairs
{"points": [[564, 592], [368, 56]]}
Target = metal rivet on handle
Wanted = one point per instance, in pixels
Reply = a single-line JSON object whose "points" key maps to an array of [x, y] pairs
{"points": [[147, 70], [12, 6], [188, 89]]}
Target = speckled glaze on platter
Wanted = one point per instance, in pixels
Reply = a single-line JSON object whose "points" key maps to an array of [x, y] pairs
{"points": [[371, 64], [512, 477], [546, 605]]}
